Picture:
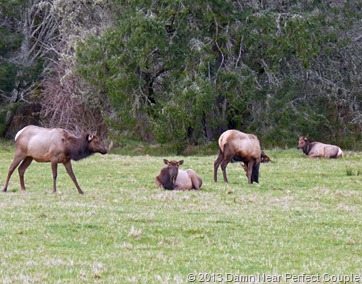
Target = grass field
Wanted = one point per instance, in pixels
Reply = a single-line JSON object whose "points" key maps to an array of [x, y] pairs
{"points": [[303, 219]]}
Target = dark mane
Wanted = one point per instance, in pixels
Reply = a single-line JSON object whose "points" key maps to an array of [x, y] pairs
{"points": [[76, 148], [165, 179], [307, 147]]}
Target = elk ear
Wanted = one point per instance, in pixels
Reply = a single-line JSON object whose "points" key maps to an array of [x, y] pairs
{"points": [[90, 136], [181, 162], [165, 161], [305, 138]]}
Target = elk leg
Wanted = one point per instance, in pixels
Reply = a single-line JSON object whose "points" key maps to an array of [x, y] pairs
{"points": [[223, 168], [55, 175], [226, 160], [217, 164], [12, 167], [313, 156], [24, 165], [245, 167], [158, 182], [250, 171], [255, 172], [68, 167], [195, 180]]}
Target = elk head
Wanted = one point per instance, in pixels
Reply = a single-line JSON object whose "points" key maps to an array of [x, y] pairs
{"points": [[172, 167], [303, 144], [95, 145]]}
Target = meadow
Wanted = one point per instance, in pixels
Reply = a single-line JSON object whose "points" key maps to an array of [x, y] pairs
{"points": [[303, 219]]}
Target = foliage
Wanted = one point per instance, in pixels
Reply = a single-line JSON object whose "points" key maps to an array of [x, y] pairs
{"points": [[24, 30], [188, 71], [182, 72]]}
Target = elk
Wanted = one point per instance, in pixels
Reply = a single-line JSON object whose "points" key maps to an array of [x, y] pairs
{"points": [[171, 177], [265, 158], [53, 145], [237, 146], [318, 149]]}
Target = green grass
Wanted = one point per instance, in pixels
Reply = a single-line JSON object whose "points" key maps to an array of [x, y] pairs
{"points": [[305, 217]]}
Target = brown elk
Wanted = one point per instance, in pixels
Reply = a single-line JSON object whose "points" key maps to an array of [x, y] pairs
{"points": [[54, 145], [318, 149], [265, 158], [241, 147], [171, 177]]}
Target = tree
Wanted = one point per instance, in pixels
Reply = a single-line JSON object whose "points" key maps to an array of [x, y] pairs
{"points": [[38, 57], [184, 71], [181, 71], [25, 27], [67, 101]]}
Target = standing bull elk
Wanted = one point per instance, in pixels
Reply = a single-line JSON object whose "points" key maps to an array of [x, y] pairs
{"points": [[318, 149], [237, 146], [171, 177], [54, 145]]}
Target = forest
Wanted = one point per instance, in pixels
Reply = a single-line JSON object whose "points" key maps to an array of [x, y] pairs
{"points": [[181, 72]]}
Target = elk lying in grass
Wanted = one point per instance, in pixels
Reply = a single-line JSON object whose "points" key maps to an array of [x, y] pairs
{"points": [[237, 146], [54, 145], [318, 149], [171, 177]]}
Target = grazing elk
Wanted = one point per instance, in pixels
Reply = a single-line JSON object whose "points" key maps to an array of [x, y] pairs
{"points": [[318, 149], [265, 158], [54, 145], [171, 177], [238, 146]]}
